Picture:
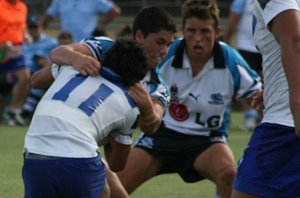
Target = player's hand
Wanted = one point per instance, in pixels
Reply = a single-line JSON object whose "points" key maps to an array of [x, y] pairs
{"points": [[86, 65], [141, 97], [257, 101]]}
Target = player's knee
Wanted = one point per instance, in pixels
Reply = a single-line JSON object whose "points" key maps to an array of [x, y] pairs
{"points": [[226, 176]]}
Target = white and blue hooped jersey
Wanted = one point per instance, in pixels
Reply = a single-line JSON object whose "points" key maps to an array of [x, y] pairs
{"points": [[152, 81], [199, 105], [276, 96], [79, 112]]}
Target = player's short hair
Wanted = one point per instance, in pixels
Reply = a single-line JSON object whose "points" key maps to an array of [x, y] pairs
{"points": [[201, 9], [152, 20], [128, 60]]}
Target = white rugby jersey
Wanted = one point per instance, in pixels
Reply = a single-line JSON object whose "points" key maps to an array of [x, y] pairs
{"points": [[276, 96], [198, 105], [78, 112], [152, 81]]}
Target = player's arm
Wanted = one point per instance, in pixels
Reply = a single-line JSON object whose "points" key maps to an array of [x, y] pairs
{"points": [[42, 79], [256, 101], [116, 154], [289, 40], [151, 111], [233, 20], [78, 55], [111, 15]]}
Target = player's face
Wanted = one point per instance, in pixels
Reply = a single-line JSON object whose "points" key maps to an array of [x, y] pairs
{"points": [[156, 45], [200, 36]]}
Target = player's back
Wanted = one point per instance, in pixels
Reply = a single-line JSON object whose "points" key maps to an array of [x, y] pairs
{"points": [[77, 111]]}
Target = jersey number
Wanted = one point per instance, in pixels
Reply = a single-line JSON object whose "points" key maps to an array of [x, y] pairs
{"points": [[91, 103]]}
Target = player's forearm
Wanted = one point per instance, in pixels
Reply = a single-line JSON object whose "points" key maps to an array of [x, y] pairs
{"points": [[115, 11], [42, 79], [116, 155], [231, 26], [63, 55], [150, 120]]}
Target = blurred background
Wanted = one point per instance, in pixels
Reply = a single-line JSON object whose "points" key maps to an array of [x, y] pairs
{"points": [[129, 9]]}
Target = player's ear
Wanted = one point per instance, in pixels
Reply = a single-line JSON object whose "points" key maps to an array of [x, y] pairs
{"points": [[139, 36], [217, 31]]}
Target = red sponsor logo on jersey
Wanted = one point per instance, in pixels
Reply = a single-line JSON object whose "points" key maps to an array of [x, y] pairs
{"points": [[178, 111]]}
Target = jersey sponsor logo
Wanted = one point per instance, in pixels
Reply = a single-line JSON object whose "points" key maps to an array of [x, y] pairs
{"points": [[178, 111], [216, 99], [194, 97], [212, 122]]}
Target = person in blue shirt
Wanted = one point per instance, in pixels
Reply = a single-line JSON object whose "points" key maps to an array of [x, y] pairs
{"points": [[239, 25], [80, 17], [36, 57]]}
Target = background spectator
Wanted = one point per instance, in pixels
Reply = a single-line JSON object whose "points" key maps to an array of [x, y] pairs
{"points": [[13, 15], [80, 17], [65, 38], [239, 27], [36, 58]]}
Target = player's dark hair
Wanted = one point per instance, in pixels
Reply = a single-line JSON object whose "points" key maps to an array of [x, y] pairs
{"points": [[152, 20], [201, 9], [128, 60]]}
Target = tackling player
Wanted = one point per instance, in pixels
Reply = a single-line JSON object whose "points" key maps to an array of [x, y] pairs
{"points": [[76, 115]]}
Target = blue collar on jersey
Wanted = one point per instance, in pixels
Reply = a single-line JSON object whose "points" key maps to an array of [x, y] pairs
{"points": [[110, 75], [219, 60]]}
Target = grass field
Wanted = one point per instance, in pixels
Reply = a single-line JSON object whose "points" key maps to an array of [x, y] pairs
{"points": [[166, 186]]}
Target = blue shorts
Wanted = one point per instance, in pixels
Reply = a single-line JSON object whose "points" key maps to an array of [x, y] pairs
{"points": [[13, 64], [270, 166], [63, 177]]}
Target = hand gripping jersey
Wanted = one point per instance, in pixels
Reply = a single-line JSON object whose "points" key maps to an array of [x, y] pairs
{"points": [[152, 81], [198, 105], [78, 112], [276, 99]]}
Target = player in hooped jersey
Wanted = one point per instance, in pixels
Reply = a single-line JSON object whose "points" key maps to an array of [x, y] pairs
{"points": [[203, 75], [270, 166], [76, 115]]}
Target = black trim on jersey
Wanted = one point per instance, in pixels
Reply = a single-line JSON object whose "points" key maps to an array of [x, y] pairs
{"points": [[136, 122], [154, 77], [178, 59], [219, 60], [263, 3]]}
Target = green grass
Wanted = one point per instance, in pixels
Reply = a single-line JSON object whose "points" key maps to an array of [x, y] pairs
{"points": [[165, 186]]}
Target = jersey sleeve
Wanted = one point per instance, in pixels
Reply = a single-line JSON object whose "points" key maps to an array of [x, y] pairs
{"points": [[248, 81], [274, 7], [98, 46], [161, 95], [124, 134], [245, 80]]}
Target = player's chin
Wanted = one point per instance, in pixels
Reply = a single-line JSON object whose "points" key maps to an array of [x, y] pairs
{"points": [[153, 63]]}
